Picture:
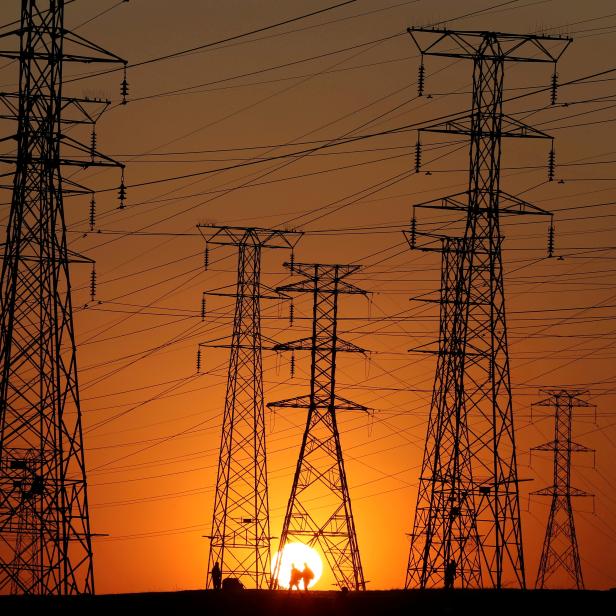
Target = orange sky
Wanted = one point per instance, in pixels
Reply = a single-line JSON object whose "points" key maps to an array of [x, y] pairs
{"points": [[152, 426]]}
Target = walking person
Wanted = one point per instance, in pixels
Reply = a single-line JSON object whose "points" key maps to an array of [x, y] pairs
{"points": [[216, 574], [296, 576], [450, 573], [307, 576]]}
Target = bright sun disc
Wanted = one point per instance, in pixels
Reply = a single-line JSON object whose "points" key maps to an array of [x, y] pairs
{"points": [[297, 554]]}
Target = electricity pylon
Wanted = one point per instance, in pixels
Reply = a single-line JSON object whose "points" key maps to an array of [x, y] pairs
{"points": [[320, 470], [481, 390], [560, 548], [45, 538], [445, 526], [240, 536], [29, 487]]}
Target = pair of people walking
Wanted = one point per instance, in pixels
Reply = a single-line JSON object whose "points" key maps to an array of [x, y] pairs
{"points": [[297, 576]]}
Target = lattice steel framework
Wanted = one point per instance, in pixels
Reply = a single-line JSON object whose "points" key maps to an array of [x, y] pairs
{"points": [[478, 399], [320, 469], [240, 537], [45, 538], [446, 483], [560, 548]]}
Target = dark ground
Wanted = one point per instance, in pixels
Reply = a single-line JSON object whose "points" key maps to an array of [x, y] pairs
{"points": [[325, 603]]}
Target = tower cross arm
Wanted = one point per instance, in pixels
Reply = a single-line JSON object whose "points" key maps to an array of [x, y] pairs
{"points": [[298, 402], [101, 160], [86, 110], [549, 446], [322, 344], [77, 49], [343, 404], [507, 204], [329, 277], [563, 446], [99, 53], [567, 396], [303, 344], [556, 491], [340, 404], [223, 235], [455, 202], [462, 124], [433, 242], [304, 286], [579, 448], [510, 204], [472, 44], [268, 294]]}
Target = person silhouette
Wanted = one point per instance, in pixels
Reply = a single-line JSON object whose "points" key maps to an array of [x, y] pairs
{"points": [[450, 573], [216, 574], [296, 576], [307, 576]]}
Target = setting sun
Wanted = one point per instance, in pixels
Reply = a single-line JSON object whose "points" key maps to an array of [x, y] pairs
{"points": [[298, 555]]}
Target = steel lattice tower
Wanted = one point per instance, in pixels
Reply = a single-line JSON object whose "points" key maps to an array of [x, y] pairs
{"points": [[446, 479], [45, 538], [478, 398], [560, 547], [320, 467], [25, 551], [240, 537]]}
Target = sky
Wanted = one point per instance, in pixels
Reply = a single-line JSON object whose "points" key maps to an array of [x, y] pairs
{"points": [[192, 135]]}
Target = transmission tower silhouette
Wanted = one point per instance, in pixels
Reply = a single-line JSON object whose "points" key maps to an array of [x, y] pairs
{"points": [[468, 502], [560, 548], [320, 470], [45, 538], [445, 526], [240, 536]]}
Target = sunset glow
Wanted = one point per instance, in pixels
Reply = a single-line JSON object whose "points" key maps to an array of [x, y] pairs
{"points": [[297, 554]]}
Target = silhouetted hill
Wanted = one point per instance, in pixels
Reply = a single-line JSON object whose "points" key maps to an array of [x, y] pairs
{"points": [[325, 603]]}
